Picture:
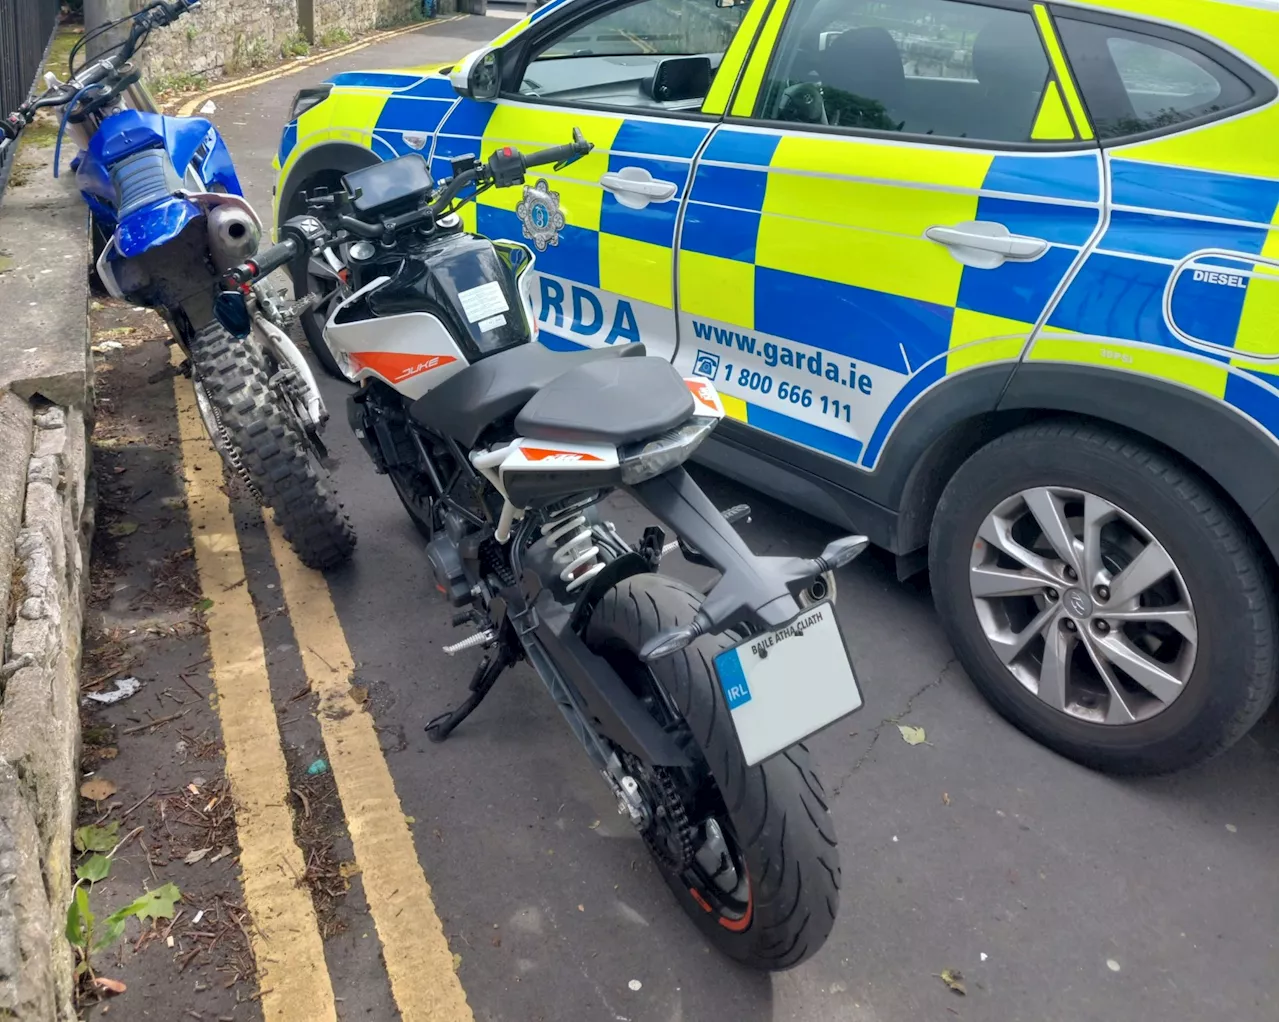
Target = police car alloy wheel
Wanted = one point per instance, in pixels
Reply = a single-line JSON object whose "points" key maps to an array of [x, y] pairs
{"points": [[1104, 598], [1083, 605]]}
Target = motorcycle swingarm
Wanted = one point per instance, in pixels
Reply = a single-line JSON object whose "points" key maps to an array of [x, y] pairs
{"points": [[590, 693]]}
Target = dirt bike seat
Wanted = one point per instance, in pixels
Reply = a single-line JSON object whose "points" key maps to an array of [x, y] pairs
{"points": [[608, 403], [497, 387]]}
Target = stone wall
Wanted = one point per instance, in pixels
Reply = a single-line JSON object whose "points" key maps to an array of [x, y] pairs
{"points": [[233, 36], [46, 401], [220, 37]]}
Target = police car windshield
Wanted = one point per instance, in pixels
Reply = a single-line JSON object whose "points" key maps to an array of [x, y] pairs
{"points": [[665, 28]]}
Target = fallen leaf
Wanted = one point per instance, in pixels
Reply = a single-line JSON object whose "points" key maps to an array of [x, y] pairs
{"points": [[954, 981], [496, 942], [96, 306], [122, 529], [911, 735], [111, 986], [359, 694], [193, 857], [157, 904], [117, 331], [457, 961], [346, 870], [96, 839], [204, 605], [946, 799], [223, 852], [110, 752], [98, 788], [94, 868]]}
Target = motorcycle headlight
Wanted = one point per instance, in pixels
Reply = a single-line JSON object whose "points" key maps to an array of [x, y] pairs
{"points": [[644, 461]]}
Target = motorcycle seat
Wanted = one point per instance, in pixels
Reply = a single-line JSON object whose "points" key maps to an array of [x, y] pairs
{"points": [[497, 387], [608, 403]]}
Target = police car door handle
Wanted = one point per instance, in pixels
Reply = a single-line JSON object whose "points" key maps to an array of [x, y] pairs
{"points": [[985, 244], [636, 187]]}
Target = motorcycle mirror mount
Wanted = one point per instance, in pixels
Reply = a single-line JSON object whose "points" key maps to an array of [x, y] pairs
{"points": [[232, 310]]}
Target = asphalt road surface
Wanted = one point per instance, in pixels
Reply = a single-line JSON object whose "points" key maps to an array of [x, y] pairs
{"points": [[1058, 893]]}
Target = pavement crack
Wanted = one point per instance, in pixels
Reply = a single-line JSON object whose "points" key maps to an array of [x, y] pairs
{"points": [[894, 719]]}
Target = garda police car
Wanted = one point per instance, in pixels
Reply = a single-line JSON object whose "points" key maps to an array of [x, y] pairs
{"points": [[993, 281]]}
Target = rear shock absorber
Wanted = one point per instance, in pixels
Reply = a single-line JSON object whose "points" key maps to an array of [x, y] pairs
{"points": [[576, 554]]}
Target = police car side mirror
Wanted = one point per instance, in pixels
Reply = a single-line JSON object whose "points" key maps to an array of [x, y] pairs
{"points": [[478, 76]]}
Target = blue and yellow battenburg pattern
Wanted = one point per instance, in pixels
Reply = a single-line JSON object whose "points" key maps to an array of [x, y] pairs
{"points": [[813, 245]]}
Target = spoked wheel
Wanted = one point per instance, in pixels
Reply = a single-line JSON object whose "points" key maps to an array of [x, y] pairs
{"points": [[749, 852], [321, 279]]}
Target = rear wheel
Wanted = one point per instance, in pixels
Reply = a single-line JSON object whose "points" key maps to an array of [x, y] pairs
{"points": [[1104, 598], [749, 852], [264, 443]]}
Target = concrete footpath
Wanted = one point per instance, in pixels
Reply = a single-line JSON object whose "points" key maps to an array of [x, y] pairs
{"points": [[46, 523]]}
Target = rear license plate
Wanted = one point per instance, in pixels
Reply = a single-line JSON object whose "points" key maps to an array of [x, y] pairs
{"points": [[783, 686]]}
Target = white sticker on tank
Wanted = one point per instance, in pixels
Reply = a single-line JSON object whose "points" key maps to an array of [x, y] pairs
{"points": [[483, 302], [492, 324]]}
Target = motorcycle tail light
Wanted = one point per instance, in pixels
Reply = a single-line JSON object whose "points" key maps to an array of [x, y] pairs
{"points": [[639, 462]]}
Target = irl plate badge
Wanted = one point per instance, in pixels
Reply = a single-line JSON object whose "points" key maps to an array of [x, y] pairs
{"points": [[540, 214]]}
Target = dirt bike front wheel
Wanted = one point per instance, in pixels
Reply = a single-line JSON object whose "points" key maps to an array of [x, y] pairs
{"points": [[261, 440], [749, 852]]}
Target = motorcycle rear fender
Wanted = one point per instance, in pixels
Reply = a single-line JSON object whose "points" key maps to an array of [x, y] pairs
{"points": [[154, 225], [616, 712], [751, 589]]}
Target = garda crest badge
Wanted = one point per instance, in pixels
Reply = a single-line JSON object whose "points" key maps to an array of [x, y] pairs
{"points": [[540, 214]]}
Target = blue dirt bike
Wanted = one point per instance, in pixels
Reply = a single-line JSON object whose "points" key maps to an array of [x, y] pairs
{"points": [[170, 219]]}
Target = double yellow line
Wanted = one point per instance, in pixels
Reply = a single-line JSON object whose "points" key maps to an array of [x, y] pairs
{"points": [[292, 974], [262, 77]]}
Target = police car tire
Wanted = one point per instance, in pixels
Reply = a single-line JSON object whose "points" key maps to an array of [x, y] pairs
{"points": [[1234, 678], [273, 453], [778, 807]]}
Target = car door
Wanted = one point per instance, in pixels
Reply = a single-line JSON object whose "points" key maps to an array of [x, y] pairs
{"points": [[1183, 285], [646, 82], [894, 200]]}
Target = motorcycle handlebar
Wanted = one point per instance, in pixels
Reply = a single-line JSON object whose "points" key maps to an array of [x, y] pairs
{"points": [[265, 262]]}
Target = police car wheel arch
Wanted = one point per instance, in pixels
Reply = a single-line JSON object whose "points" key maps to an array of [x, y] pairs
{"points": [[329, 161], [1192, 562]]}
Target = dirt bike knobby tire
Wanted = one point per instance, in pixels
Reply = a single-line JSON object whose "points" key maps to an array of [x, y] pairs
{"points": [[273, 452]]}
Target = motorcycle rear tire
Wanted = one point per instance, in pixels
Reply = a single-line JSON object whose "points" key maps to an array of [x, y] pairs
{"points": [[274, 454], [790, 851]]}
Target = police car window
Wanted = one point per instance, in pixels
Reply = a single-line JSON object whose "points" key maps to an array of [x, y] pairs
{"points": [[653, 54], [924, 67], [1134, 83]]}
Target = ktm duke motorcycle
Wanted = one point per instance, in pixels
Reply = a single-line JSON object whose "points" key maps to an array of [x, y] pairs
{"points": [[692, 706], [170, 219]]}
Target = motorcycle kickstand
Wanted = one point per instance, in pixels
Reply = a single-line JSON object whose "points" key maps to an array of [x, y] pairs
{"points": [[487, 673]]}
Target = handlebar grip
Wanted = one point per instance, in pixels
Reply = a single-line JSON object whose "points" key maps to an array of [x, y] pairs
{"points": [[556, 154], [265, 262]]}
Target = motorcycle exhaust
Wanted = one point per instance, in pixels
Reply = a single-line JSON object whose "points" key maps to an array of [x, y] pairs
{"points": [[233, 236]]}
